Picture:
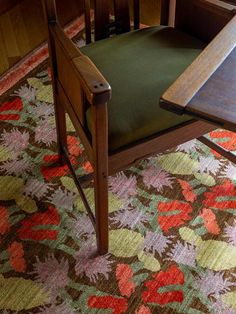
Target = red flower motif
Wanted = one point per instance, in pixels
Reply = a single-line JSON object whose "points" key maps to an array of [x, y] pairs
{"points": [[4, 220], [15, 105], [51, 171], [170, 219], [225, 190], [210, 222], [48, 218], [118, 305], [16, 257], [172, 276], [124, 275], [187, 191]]}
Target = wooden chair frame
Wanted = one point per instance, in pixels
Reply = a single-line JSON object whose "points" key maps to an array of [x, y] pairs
{"points": [[77, 84]]}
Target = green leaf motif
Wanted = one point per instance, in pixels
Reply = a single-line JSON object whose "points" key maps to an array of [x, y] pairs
{"points": [[149, 261], [125, 242], [5, 154], [230, 299], [216, 255], [10, 187], [205, 179], [26, 203], [190, 236], [17, 294], [178, 163]]}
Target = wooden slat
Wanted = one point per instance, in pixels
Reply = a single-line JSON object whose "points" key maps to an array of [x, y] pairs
{"points": [[165, 12], [136, 4], [122, 16], [101, 13], [87, 20], [195, 76]]}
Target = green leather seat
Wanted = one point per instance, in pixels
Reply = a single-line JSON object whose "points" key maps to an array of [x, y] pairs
{"points": [[140, 66]]}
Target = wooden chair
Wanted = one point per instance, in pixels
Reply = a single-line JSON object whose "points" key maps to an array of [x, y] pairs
{"points": [[135, 68]]}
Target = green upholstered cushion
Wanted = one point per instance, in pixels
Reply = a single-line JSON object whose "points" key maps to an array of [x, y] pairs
{"points": [[140, 66]]}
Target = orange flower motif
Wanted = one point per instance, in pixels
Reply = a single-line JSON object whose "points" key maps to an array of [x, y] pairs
{"points": [[143, 310], [124, 276], [210, 221], [16, 256], [87, 167], [4, 220], [74, 146], [187, 191], [230, 143]]}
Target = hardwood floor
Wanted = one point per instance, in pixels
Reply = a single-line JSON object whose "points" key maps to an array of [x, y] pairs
{"points": [[22, 27]]}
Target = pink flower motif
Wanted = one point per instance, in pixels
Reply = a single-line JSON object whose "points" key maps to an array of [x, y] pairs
{"points": [[213, 283], [156, 242], [35, 188], [45, 133], [156, 177], [82, 226], [52, 274], [16, 167], [26, 92], [129, 218], [123, 186], [209, 165], [88, 263], [42, 110], [62, 199], [15, 141], [188, 147], [230, 233], [183, 254]]}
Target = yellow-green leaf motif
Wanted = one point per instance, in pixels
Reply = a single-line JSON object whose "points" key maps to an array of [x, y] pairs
{"points": [[10, 187], [17, 294], [149, 261], [230, 299], [125, 242], [216, 255], [178, 163], [190, 236], [205, 178]]}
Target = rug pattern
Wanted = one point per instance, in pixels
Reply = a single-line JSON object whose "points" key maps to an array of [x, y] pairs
{"points": [[172, 222]]}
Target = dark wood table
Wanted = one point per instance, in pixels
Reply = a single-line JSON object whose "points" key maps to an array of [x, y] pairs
{"points": [[207, 89]]}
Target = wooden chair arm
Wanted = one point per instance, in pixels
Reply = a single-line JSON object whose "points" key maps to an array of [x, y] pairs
{"points": [[94, 85], [196, 75]]}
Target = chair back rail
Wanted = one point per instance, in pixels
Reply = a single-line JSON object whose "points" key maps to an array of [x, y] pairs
{"points": [[202, 18], [102, 10]]}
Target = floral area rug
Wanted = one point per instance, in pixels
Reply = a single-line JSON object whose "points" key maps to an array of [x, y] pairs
{"points": [[172, 222]]}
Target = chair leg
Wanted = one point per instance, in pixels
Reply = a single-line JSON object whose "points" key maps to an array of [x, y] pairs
{"points": [[100, 147], [101, 211], [60, 117]]}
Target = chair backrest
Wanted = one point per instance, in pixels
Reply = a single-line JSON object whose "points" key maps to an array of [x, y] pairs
{"points": [[103, 26]]}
